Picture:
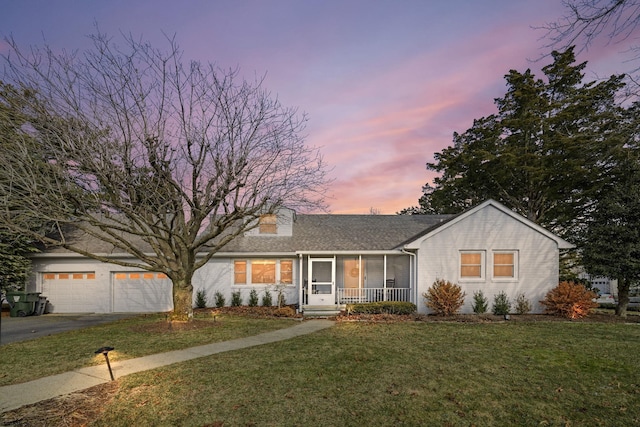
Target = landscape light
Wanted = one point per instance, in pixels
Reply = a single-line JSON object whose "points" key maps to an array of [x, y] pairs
{"points": [[105, 351]]}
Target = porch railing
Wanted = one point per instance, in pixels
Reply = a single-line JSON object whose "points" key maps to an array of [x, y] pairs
{"points": [[351, 296]]}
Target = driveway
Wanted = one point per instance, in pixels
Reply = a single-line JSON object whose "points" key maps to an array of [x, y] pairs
{"points": [[14, 329]]}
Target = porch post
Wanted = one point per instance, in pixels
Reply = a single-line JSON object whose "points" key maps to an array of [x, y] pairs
{"points": [[300, 282], [384, 278]]}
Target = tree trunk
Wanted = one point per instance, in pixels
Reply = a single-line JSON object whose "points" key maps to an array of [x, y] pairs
{"points": [[182, 301], [623, 297]]}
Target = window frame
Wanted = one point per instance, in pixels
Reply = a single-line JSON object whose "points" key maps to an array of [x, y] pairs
{"points": [[464, 278], [268, 224], [260, 272], [249, 273], [515, 254], [237, 274]]}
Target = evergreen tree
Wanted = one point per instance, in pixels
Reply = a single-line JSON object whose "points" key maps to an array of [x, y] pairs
{"points": [[612, 240], [544, 153]]}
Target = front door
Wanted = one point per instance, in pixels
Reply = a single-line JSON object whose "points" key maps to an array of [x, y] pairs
{"points": [[321, 281], [353, 279]]}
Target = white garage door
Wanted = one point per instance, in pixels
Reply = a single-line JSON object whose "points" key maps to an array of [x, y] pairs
{"points": [[74, 292], [141, 292]]}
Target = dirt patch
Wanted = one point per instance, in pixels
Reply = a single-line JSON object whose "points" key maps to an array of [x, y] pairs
{"points": [[75, 409]]}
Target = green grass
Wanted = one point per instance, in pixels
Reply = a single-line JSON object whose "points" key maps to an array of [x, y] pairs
{"points": [[130, 337], [555, 373]]}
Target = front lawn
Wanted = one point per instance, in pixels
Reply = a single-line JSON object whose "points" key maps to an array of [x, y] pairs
{"points": [[385, 374], [132, 337], [545, 373]]}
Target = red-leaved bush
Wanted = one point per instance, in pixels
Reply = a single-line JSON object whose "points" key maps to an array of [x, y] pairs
{"points": [[444, 297], [568, 299]]}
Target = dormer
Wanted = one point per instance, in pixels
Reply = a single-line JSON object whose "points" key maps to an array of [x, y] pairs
{"points": [[274, 224]]}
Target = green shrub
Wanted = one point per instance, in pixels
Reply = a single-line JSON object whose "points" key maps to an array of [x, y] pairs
{"points": [[236, 299], [444, 297], [220, 299], [522, 305], [253, 298], [201, 298], [501, 304], [569, 299], [267, 300], [480, 303], [382, 307]]}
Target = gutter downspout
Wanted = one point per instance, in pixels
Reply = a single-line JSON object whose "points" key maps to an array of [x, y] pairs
{"points": [[413, 275]]}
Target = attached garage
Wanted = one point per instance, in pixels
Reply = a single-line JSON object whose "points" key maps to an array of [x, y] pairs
{"points": [[141, 292], [74, 292]]}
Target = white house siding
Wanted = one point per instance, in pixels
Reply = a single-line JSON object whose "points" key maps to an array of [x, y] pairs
{"points": [[490, 229], [217, 276]]}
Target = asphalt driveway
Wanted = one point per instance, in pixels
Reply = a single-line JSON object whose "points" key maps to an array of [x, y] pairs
{"points": [[14, 329]]}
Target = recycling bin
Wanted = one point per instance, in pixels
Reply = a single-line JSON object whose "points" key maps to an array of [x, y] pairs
{"points": [[41, 306]]}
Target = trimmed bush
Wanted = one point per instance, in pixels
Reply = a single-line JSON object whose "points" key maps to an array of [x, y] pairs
{"points": [[253, 298], [569, 299], [201, 298], [382, 307], [444, 297], [501, 304], [220, 299], [236, 299], [480, 303], [522, 305], [267, 300]]}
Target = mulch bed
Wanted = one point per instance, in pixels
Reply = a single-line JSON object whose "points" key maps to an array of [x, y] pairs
{"points": [[256, 312], [485, 318]]}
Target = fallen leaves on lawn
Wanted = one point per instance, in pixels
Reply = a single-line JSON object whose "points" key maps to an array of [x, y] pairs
{"points": [[71, 410]]}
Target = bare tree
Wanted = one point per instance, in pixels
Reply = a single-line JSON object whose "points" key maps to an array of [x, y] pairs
{"points": [[161, 159], [587, 20]]}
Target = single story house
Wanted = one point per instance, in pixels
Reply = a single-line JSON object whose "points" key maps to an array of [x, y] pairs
{"points": [[322, 262]]}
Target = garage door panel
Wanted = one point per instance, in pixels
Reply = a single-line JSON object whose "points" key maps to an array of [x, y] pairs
{"points": [[74, 293], [141, 292]]}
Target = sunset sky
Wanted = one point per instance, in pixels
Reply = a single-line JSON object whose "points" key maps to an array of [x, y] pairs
{"points": [[385, 83]]}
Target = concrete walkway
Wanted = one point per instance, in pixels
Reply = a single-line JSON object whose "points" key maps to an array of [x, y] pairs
{"points": [[17, 395]]}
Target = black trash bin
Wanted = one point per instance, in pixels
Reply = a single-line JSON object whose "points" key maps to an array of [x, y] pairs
{"points": [[22, 304]]}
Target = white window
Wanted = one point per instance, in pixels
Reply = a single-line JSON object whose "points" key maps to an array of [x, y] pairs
{"points": [[471, 265], [268, 224], [505, 264], [263, 271]]}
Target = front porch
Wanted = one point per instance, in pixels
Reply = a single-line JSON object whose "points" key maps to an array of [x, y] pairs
{"points": [[328, 283]]}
